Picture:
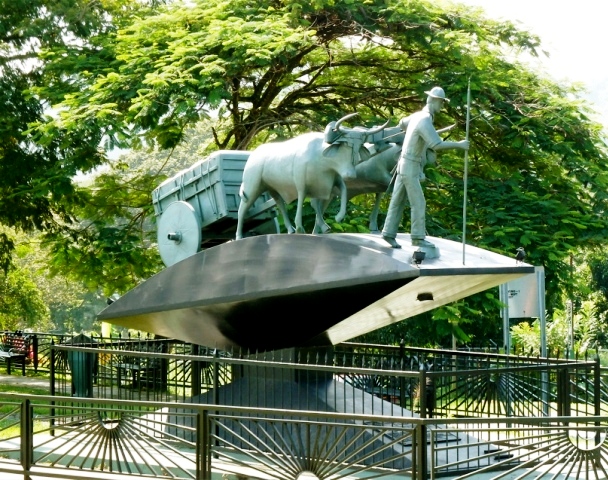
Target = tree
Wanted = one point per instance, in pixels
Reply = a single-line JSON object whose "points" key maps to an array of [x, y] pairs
{"points": [[21, 302], [587, 329], [43, 195], [21, 305], [271, 69], [36, 172], [113, 248], [70, 305], [278, 66]]}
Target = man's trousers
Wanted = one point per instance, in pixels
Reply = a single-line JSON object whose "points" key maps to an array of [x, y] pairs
{"points": [[407, 187]]}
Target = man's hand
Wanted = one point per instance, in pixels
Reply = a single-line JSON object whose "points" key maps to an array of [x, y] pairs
{"points": [[462, 145]]}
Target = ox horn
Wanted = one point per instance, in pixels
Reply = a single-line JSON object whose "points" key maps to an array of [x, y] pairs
{"points": [[378, 129], [343, 119]]}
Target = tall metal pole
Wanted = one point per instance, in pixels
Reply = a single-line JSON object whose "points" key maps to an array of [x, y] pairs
{"points": [[466, 174], [503, 293]]}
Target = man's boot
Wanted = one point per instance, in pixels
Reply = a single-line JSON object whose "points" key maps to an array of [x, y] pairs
{"points": [[421, 242], [391, 241]]}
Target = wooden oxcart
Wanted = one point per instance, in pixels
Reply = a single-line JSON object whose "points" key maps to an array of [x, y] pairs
{"points": [[198, 207]]}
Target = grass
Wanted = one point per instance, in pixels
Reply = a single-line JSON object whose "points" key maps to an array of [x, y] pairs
{"points": [[10, 413], [23, 389], [23, 385]]}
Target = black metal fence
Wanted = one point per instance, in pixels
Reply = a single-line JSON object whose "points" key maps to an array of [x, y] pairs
{"points": [[428, 382], [367, 379], [164, 408], [133, 369], [63, 437]]}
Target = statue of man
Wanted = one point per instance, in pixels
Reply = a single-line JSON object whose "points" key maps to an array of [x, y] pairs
{"points": [[420, 135]]}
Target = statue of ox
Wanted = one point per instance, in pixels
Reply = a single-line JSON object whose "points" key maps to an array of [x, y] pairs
{"points": [[309, 165]]}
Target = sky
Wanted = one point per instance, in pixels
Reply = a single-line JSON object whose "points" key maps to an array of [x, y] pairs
{"points": [[574, 33]]}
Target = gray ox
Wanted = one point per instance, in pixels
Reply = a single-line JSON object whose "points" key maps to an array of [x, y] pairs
{"points": [[309, 165]]}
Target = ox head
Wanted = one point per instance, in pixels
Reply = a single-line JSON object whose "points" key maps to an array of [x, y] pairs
{"points": [[338, 136]]}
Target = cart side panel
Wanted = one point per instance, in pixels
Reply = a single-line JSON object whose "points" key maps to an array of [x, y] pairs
{"points": [[232, 177], [212, 186], [205, 190]]}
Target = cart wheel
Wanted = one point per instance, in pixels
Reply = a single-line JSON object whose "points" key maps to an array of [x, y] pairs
{"points": [[178, 233]]}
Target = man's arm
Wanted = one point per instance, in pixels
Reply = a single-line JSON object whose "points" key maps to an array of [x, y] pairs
{"points": [[461, 145], [434, 141]]}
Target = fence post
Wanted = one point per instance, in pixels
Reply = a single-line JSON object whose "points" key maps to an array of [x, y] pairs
{"points": [[402, 382], [422, 392], [27, 438], [216, 377], [597, 400], [52, 386], [422, 463], [421, 452], [597, 385], [195, 372], [203, 447], [35, 352], [563, 392]]}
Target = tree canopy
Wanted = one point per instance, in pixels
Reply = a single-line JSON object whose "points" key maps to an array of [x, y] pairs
{"points": [[36, 171], [142, 77]]}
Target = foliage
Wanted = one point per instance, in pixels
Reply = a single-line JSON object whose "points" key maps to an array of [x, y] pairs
{"points": [[21, 302], [136, 75], [21, 305], [588, 331], [114, 247], [107, 257], [277, 66], [36, 170], [598, 265], [28, 196], [71, 306]]}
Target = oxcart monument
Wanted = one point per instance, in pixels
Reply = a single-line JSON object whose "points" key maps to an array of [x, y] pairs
{"points": [[267, 290], [291, 292]]}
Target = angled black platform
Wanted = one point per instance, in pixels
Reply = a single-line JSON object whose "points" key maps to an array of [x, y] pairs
{"points": [[253, 293]]}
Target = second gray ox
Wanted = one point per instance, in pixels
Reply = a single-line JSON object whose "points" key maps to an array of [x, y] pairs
{"points": [[304, 166], [374, 175]]}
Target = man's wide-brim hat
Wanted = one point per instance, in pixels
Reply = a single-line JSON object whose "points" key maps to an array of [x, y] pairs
{"points": [[437, 92]]}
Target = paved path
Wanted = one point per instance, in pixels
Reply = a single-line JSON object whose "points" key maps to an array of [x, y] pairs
{"points": [[27, 381]]}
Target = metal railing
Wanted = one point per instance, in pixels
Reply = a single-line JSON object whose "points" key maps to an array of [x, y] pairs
{"points": [[433, 383], [63, 437], [159, 408]]}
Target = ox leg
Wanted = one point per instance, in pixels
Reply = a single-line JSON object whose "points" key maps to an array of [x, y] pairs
{"points": [[299, 225], [319, 206], [373, 216], [283, 209], [243, 209], [343, 200]]}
